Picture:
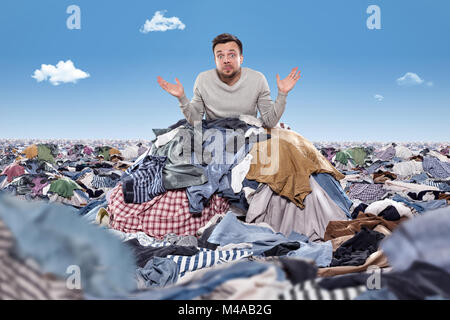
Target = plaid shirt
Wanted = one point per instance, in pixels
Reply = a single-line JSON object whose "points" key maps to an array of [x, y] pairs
{"points": [[166, 213], [366, 192]]}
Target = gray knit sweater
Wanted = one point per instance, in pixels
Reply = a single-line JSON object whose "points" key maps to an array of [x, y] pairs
{"points": [[218, 100]]}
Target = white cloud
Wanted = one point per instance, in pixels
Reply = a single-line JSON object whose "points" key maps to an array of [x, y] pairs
{"points": [[409, 79], [378, 97], [161, 23], [430, 84], [64, 72]]}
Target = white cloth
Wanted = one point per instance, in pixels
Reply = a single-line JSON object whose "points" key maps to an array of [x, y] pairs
{"points": [[130, 152], [403, 152], [378, 206], [243, 245], [398, 186], [255, 131], [167, 137], [239, 172], [251, 120], [86, 179], [408, 168], [441, 157]]}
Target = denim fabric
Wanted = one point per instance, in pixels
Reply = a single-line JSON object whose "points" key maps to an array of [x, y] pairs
{"points": [[334, 189], [379, 294], [158, 272], [375, 166], [56, 237], [421, 206], [90, 211], [418, 178], [321, 253], [217, 181], [206, 284], [423, 238], [231, 230], [218, 170]]}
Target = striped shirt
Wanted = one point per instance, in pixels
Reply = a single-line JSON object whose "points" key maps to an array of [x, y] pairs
{"points": [[143, 180], [207, 258], [310, 290]]}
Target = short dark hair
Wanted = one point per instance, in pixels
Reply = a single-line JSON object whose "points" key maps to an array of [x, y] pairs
{"points": [[224, 38]]}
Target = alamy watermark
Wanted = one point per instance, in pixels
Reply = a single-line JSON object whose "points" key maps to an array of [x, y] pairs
{"points": [[374, 280], [374, 20], [73, 281], [74, 20]]}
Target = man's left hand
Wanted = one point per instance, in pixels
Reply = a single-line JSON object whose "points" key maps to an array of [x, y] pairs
{"points": [[285, 85]]}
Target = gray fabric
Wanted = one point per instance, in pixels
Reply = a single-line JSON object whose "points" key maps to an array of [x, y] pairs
{"points": [[187, 241], [284, 216], [178, 173], [424, 238]]}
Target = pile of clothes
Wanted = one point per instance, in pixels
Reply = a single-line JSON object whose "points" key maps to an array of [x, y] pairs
{"points": [[227, 209]]}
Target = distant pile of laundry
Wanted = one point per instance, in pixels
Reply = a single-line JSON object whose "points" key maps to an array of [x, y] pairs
{"points": [[225, 209]]}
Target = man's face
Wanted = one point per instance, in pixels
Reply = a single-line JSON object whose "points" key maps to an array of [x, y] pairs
{"points": [[228, 59]]}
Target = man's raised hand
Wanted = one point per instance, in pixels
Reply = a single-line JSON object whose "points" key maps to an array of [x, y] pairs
{"points": [[176, 90], [285, 85]]}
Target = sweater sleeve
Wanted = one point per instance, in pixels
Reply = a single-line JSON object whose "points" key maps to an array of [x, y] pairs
{"points": [[194, 110], [270, 111]]}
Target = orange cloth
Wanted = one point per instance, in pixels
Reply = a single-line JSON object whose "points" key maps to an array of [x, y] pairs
{"points": [[114, 151], [31, 151]]}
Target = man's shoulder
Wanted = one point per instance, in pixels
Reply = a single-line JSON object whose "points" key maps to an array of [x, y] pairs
{"points": [[254, 75], [208, 74]]}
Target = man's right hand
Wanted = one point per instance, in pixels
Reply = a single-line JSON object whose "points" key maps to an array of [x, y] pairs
{"points": [[176, 90]]}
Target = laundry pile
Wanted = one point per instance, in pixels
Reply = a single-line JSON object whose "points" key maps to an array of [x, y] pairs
{"points": [[225, 209]]}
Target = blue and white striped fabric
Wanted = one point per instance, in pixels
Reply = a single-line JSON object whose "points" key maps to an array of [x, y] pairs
{"points": [[206, 258], [441, 185], [103, 182], [142, 182]]}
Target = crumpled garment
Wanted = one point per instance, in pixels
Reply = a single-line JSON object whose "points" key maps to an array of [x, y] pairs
{"points": [[424, 238], [57, 238], [408, 168], [366, 192], [386, 154], [403, 152], [377, 207], [436, 168], [157, 272], [13, 170], [285, 162]]}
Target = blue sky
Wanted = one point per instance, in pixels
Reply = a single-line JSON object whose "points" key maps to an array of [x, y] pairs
{"points": [[343, 65]]}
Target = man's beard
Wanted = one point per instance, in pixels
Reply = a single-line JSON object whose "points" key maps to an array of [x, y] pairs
{"points": [[229, 76]]}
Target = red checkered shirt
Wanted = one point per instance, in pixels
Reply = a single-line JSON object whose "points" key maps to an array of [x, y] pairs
{"points": [[166, 213]]}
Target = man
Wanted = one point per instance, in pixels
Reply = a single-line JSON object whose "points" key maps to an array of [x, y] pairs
{"points": [[229, 90]]}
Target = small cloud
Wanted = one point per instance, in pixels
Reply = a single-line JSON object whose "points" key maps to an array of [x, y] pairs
{"points": [[378, 97], [161, 23], [409, 79], [430, 84], [64, 72]]}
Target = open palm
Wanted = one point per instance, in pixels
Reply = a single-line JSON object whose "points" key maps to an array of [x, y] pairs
{"points": [[289, 82], [176, 90]]}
